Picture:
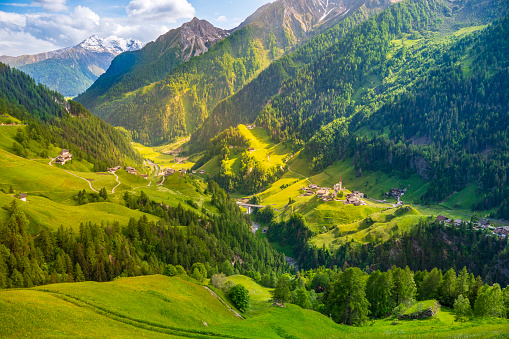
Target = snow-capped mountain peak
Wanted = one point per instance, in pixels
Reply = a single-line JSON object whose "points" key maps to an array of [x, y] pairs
{"points": [[110, 44]]}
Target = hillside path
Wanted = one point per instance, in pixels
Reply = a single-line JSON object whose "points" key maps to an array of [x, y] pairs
{"points": [[161, 183], [51, 161], [89, 183], [119, 183], [237, 314], [290, 170]]}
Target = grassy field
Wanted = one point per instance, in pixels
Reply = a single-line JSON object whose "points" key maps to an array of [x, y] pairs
{"points": [[260, 297], [152, 306], [375, 227], [43, 212]]}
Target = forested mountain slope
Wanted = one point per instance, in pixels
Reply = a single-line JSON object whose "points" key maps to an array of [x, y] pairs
{"points": [[72, 70], [245, 105], [361, 96], [181, 102], [53, 120], [132, 70]]}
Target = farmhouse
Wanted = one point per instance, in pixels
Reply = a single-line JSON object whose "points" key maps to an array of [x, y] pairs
{"points": [[23, 197], [169, 171], [313, 186], [114, 169], [502, 231], [265, 229], [351, 199], [484, 223], [251, 149], [358, 194], [322, 192], [441, 218], [193, 171], [64, 157], [230, 147], [144, 176], [131, 170], [202, 172]]}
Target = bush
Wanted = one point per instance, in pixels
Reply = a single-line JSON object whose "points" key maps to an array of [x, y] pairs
{"points": [[218, 281], [240, 297]]}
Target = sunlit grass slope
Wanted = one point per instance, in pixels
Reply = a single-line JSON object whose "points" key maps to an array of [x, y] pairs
{"points": [[42, 212], [152, 306]]}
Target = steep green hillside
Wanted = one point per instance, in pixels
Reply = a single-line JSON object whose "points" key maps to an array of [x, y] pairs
{"points": [[243, 159], [156, 306], [54, 121], [354, 100]]}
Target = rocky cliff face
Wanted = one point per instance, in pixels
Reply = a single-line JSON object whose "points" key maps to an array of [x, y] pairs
{"points": [[298, 18], [197, 36]]}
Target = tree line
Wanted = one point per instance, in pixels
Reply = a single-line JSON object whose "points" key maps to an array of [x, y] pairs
{"points": [[101, 252]]}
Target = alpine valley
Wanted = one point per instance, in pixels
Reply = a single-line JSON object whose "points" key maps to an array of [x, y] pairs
{"points": [[326, 169]]}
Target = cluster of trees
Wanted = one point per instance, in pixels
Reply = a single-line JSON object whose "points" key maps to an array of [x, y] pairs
{"points": [[251, 177], [430, 244], [54, 121], [352, 297], [219, 145], [103, 252], [84, 198]]}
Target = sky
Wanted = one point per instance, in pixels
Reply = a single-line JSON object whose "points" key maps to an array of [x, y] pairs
{"points": [[35, 26]]}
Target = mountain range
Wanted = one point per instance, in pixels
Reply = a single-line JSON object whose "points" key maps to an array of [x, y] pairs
{"points": [[72, 70], [158, 96]]}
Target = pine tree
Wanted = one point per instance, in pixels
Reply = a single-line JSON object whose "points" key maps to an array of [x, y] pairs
{"points": [[282, 292], [347, 301], [462, 309]]}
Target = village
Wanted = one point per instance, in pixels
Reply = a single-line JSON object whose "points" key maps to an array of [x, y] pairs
{"points": [[335, 194], [500, 232]]}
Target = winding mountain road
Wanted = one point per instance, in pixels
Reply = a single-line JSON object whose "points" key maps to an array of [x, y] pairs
{"points": [[119, 183], [89, 183]]}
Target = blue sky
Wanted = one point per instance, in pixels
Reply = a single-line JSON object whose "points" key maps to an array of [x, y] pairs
{"points": [[34, 26]]}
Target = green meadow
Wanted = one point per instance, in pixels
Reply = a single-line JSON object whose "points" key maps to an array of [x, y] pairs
{"points": [[153, 306]]}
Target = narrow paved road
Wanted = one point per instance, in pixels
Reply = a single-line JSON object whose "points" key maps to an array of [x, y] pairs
{"points": [[150, 163], [77, 176], [119, 183]]}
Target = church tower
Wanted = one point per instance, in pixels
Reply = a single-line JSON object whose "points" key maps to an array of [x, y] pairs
{"points": [[340, 184]]}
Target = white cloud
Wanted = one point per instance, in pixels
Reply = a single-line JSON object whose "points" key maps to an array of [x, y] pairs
{"points": [[159, 10], [221, 18], [51, 5], [63, 30], [32, 33]]}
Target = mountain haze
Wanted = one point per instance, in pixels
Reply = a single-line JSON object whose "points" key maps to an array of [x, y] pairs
{"points": [[72, 70]]}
